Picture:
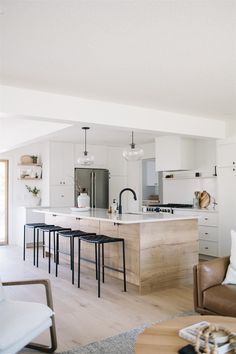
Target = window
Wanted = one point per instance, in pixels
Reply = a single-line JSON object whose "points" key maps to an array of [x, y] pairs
{"points": [[3, 201]]}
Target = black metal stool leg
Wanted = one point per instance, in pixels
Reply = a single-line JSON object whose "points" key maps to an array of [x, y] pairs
{"points": [[124, 269], [79, 261], [71, 253], [49, 250], [24, 245], [72, 258], [96, 261], [54, 247], [99, 285], [37, 248], [43, 245], [103, 262], [34, 246], [57, 252]]}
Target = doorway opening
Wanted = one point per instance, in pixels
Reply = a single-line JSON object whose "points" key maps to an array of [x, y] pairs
{"points": [[3, 202]]}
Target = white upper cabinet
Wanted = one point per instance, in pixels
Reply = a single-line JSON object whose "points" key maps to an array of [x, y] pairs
{"points": [[61, 164], [117, 165], [61, 196], [226, 154], [174, 153]]}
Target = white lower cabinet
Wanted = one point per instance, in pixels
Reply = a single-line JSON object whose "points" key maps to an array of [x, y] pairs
{"points": [[208, 230], [208, 248], [208, 233]]}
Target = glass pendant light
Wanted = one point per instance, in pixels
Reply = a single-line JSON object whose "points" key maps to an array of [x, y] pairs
{"points": [[86, 159], [133, 153]]}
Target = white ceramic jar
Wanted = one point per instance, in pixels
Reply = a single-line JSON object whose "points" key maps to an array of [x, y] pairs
{"points": [[83, 200]]}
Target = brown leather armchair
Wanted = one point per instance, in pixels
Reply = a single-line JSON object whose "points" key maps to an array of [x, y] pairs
{"points": [[210, 296]]}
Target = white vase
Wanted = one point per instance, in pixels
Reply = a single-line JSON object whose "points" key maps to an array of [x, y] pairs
{"points": [[34, 200]]}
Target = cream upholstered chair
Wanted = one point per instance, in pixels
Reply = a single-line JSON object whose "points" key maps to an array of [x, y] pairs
{"points": [[21, 322]]}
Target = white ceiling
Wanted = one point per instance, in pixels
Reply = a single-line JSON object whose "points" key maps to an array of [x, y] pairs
{"points": [[174, 55], [17, 132], [101, 135]]}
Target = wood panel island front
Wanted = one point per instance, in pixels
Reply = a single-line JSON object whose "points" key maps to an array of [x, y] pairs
{"points": [[161, 249]]}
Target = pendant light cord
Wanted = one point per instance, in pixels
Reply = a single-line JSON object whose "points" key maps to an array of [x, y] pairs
{"points": [[85, 142], [132, 143]]}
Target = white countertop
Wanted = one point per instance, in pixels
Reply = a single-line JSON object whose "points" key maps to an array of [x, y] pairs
{"points": [[102, 215]]}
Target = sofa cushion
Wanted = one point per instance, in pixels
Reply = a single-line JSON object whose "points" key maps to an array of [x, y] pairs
{"points": [[231, 271], [221, 299], [18, 319]]}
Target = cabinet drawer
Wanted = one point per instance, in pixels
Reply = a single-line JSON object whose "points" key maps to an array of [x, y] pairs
{"points": [[209, 248], [209, 233], [208, 219]]}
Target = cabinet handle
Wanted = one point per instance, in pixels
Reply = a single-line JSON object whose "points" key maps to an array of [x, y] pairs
{"points": [[206, 219], [60, 182], [233, 162], [233, 169], [62, 195], [206, 248], [54, 215], [206, 233], [64, 182]]}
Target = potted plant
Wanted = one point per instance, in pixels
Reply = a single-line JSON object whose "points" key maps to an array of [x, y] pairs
{"points": [[34, 158], [34, 194]]}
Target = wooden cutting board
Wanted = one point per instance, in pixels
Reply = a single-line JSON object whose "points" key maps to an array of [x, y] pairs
{"points": [[204, 199]]}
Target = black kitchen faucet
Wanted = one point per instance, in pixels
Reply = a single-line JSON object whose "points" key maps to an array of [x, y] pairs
{"points": [[123, 190]]}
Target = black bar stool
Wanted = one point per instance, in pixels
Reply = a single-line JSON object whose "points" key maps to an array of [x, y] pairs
{"points": [[99, 240], [71, 235], [33, 227], [49, 229]]}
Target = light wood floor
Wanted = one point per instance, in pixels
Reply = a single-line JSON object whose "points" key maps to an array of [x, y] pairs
{"points": [[81, 317]]}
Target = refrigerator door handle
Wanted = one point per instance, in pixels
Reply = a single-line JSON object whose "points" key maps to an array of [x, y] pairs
{"points": [[95, 189], [92, 191]]}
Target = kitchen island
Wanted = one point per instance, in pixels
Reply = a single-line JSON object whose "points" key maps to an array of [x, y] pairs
{"points": [[161, 249]]}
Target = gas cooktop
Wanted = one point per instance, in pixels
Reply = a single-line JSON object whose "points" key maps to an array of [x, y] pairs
{"points": [[174, 205]]}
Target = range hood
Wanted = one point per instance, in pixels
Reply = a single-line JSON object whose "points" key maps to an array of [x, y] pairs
{"points": [[174, 153]]}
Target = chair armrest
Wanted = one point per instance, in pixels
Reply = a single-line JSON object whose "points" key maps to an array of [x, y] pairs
{"points": [[45, 282], [208, 274]]}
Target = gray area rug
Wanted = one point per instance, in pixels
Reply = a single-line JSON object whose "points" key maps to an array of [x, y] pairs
{"points": [[123, 343]]}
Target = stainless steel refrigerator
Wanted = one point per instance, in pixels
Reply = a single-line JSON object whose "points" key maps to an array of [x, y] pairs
{"points": [[96, 182]]}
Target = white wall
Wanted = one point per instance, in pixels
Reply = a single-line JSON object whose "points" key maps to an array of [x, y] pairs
{"points": [[18, 194]]}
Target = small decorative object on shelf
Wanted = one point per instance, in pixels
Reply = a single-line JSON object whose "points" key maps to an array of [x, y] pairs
{"points": [[29, 160], [204, 200], [34, 159], [26, 160], [196, 199]]}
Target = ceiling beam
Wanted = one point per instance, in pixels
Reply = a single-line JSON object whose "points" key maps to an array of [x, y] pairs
{"points": [[56, 107]]}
